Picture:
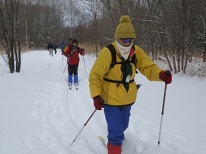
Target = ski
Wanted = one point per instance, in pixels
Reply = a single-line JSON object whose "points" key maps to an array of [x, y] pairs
{"points": [[76, 85], [70, 86], [103, 141]]}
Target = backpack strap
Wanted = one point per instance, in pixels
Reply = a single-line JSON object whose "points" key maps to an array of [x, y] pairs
{"points": [[113, 54], [114, 62], [134, 58]]}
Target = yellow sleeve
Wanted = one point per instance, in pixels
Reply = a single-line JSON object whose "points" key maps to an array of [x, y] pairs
{"points": [[99, 69], [146, 66]]}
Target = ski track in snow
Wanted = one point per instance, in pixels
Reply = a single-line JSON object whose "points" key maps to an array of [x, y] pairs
{"points": [[60, 113]]}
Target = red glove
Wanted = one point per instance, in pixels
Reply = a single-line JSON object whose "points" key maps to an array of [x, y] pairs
{"points": [[98, 102], [166, 76]]}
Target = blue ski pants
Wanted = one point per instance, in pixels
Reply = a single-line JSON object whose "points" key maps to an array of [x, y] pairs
{"points": [[117, 122], [73, 69]]}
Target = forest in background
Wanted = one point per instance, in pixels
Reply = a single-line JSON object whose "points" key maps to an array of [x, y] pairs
{"points": [[171, 30]]}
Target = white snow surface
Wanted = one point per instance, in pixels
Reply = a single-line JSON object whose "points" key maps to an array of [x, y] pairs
{"points": [[40, 115]]}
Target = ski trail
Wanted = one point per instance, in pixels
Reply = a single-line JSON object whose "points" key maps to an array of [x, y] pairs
{"points": [[77, 111], [55, 119], [57, 116]]}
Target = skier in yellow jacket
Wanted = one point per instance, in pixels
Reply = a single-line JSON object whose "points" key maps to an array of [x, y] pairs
{"points": [[113, 87]]}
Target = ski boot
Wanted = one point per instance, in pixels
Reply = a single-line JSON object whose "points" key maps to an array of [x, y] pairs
{"points": [[76, 85], [70, 85]]}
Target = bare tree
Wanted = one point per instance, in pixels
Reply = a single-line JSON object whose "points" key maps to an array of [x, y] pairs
{"points": [[201, 33], [176, 28], [45, 23], [12, 17], [204, 50]]}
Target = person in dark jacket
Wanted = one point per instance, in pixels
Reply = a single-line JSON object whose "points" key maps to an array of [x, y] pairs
{"points": [[55, 48], [72, 53], [50, 49]]}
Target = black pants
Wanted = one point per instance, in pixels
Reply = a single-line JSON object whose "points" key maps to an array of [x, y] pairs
{"points": [[72, 69]]}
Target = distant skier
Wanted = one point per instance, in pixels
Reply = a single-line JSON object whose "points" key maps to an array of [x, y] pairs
{"points": [[72, 53], [55, 48], [50, 49], [63, 46], [70, 41], [113, 88], [68, 45]]}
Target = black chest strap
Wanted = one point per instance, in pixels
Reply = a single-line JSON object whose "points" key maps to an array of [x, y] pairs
{"points": [[114, 62]]}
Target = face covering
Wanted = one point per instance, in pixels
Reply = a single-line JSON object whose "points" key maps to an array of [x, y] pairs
{"points": [[124, 51]]}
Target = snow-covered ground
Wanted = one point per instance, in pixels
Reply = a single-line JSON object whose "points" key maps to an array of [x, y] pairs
{"points": [[40, 115]]}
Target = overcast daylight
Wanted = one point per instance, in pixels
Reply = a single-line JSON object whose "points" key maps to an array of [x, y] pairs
{"points": [[102, 77]]}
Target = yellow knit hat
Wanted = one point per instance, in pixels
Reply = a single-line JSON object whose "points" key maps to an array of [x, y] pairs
{"points": [[125, 28]]}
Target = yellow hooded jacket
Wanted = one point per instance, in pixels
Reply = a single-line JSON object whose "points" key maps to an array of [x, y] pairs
{"points": [[109, 91]]}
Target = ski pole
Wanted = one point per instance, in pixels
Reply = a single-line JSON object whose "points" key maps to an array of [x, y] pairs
{"points": [[85, 66], [84, 126], [162, 113], [66, 64], [64, 70]]}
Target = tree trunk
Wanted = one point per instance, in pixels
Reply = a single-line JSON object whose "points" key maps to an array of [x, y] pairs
{"points": [[11, 64], [185, 63], [178, 60], [18, 60], [152, 51], [174, 63], [168, 61], [96, 47], [204, 51], [18, 67], [182, 59]]}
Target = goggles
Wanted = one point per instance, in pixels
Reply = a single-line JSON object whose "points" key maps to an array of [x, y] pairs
{"points": [[126, 40]]}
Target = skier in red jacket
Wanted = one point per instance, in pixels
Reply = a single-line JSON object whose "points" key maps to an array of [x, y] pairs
{"points": [[72, 53]]}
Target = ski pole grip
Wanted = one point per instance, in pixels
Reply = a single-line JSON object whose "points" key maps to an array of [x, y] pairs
{"points": [[102, 101], [168, 72]]}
